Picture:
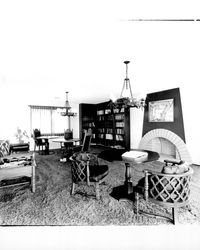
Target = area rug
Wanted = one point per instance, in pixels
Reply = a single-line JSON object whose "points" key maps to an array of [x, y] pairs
{"points": [[52, 203]]}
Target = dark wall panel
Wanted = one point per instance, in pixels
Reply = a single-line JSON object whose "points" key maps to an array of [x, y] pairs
{"points": [[177, 125]]}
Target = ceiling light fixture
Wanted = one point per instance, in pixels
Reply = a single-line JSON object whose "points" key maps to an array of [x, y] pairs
{"points": [[126, 98], [67, 108]]}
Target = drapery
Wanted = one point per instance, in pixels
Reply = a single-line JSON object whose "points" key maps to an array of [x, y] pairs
{"points": [[47, 119]]}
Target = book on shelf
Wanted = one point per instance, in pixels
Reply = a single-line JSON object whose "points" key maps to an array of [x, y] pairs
{"points": [[88, 125], [119, 124], [107, 111], [109, 118], [119, 117], [100, 112], [100, 118], [101, 130], [118, 110], [119, 138], [100, 136], [109, 130], [109, 136], [120, 131], [87, 118]]}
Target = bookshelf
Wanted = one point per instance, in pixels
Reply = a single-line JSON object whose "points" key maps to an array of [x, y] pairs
{"points": [[111, 125], [122, 127], [87, 119]]}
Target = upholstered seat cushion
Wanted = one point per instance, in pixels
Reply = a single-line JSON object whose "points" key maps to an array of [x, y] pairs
{"points": [[97, 173], [16, 147]]}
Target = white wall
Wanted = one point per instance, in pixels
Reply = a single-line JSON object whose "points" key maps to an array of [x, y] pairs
{"points": [[190, 104], [136, 126]]}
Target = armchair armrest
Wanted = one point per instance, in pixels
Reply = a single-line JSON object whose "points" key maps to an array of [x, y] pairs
{"points": [[153, 172]]}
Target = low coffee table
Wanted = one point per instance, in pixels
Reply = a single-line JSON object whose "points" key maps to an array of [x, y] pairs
{"points": [[125, 191]]}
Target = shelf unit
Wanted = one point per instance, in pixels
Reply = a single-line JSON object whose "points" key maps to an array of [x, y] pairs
{"points": [[104, 125], [87, 119], [111, 125]]}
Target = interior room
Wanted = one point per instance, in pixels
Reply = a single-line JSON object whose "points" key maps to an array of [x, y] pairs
{"points": [[105, 84]]}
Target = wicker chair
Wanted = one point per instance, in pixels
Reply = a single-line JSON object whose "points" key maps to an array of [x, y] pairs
{"points": [[86, 170], [168, 190]]}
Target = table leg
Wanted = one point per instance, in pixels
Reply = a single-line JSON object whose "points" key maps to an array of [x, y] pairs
{"points": [[68, 150], [33, 178], [128, 182], [124, 192], [46, 146]]}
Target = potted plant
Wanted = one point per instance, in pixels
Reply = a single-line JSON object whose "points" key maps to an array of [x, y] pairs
{"points": [[21, 136]]}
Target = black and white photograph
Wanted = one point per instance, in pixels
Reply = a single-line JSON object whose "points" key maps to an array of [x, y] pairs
{"points": [[99, 130]]}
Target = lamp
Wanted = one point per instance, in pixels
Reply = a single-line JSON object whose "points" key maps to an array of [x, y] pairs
{"points": [[126, 97], [67, 108]]}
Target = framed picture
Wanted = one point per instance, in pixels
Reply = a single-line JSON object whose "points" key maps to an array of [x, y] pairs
{"points": [[161, 111]]}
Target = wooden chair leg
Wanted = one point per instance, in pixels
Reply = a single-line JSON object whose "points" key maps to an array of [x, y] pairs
{"points": [[175, 215], [33, 179], [97, 191], [72, 188], [137, 204], [188, 206]]}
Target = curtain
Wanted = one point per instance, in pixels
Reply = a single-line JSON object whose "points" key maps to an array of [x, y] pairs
{"points": [[47, 119], [59, 123]]}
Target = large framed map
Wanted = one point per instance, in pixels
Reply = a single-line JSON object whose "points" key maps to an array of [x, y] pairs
{"points": [[161, 111]]}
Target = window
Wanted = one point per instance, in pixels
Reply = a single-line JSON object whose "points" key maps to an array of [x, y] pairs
{"points": [[47, 119]]}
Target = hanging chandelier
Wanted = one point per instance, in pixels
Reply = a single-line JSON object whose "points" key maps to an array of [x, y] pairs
{"points": [[67, 108], [126, 97]]}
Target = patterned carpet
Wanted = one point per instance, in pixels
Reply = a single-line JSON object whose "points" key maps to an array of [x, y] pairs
{"points": [[52, 204]]}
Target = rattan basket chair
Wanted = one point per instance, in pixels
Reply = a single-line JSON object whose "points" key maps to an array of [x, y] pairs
{"points": [[168, 190], [85, 169]]}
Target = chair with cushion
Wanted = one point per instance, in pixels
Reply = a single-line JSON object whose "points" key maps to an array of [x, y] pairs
{"points": [[85, 169], [85, 147], [169, 188], [69, 149], [38, 142]]}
